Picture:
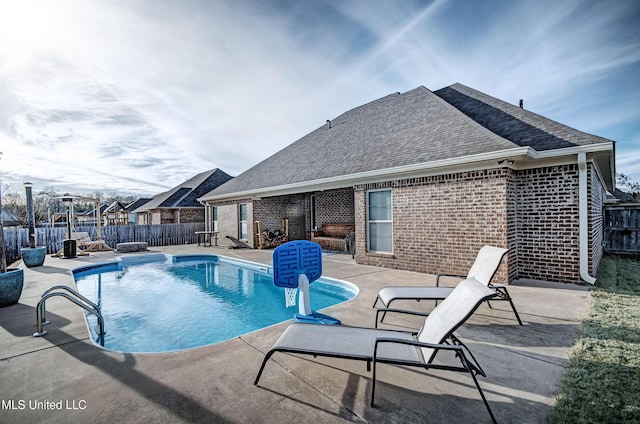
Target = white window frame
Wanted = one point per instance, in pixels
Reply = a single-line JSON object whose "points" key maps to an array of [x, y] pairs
{"points": [[214, 218], [378, 221], [243, 229]]}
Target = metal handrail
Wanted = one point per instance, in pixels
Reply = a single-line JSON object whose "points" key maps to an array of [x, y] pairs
{"points": [[70, 290], [40, 312]]}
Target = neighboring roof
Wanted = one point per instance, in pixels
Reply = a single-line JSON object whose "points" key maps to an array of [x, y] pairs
{"points": [[137, 203], [405, 131], [9, 219], [115, 207], [186, 194], [620, 196], [90, 212]]}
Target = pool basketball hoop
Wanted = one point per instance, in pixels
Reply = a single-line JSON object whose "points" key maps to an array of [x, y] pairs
{"points": [[296, 265]]}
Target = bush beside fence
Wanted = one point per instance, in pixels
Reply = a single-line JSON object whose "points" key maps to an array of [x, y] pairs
{"points": [[52, 238]]}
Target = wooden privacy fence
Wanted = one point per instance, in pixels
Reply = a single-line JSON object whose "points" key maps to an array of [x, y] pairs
{"points": [[154, 235], [622, 229]]}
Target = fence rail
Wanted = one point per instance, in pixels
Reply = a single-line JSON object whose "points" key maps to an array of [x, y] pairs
{"points": [[622, 229], [154, 235]]}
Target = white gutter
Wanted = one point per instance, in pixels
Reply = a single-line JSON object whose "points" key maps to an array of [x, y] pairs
{"points": [[341, 181], [583, 205]]}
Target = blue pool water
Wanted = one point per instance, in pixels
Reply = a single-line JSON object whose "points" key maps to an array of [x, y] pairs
{"points": [[161, 304]]}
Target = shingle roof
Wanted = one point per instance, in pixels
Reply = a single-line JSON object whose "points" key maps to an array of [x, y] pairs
{"points": [[513, 123], [186, 194], [137, 203], [115, 206], [415, 127]]}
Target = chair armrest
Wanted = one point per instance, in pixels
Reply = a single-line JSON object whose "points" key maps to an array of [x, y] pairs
{"points": [[447, 275], [454, 348], [400, 311], [467, 364]]}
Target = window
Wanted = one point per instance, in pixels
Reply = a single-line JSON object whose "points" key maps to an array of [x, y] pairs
{"points": [[379, 223], [214, 218], [242, 221]]}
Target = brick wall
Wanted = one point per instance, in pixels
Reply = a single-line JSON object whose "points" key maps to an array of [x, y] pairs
{"points": [[441, 222], [547, 224], [191, 215], [334, 207], [271, 210], [175, 216], [512, 226]]}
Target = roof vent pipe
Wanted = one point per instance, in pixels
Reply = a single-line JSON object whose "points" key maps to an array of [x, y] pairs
{"points": [[328, 124], [521, 104]]}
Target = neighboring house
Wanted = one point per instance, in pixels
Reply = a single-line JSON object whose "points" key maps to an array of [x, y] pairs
{"points": [[180, 204], [428, 178], [118, 213], [86, 218], [131, 207], [115, 214]]}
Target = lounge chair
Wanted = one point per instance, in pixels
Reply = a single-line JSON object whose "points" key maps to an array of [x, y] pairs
{"points": [[395, 347], [483, 270]]}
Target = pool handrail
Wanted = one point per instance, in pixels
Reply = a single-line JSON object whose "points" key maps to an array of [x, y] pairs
{"points": [[78, 300]]}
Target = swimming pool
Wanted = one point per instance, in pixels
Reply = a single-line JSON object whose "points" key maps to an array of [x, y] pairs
{"points": [[160, 303]]}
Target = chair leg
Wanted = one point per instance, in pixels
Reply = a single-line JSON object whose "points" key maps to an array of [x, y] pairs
{"points": [[466, 364], [384, 313], [373, 383], [513, 307], [264, 362], [505, 296], [473, 364]]}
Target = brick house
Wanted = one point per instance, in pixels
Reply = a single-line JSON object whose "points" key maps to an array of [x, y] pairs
{"points": [[180, 204], [428, 178]]}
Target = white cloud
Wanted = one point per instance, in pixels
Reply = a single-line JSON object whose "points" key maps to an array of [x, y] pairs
{"points": [[142, 95]]}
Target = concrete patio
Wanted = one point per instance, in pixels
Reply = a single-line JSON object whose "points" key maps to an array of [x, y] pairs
{"points": [[524, 364]]}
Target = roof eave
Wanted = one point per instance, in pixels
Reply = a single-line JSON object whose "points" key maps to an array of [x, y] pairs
{"points": [[342, 181], [478, 161]]}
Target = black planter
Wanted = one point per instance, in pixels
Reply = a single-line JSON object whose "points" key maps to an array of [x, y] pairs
{"points": [[11, 283], [33, 256]]}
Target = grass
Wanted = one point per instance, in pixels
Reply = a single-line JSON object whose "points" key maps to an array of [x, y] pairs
{"points": [[602, 382]]}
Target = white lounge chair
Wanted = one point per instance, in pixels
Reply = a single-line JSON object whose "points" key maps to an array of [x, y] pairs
{"points": [[483, 270], [396, 347]]}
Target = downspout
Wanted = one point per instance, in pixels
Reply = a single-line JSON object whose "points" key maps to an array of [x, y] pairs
{"points": [[583, 204]]}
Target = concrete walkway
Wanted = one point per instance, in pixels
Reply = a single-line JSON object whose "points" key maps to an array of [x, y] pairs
{"points": [[64, 369]]}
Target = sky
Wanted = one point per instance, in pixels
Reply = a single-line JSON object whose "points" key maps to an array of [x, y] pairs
{"points": [[137, 96]]}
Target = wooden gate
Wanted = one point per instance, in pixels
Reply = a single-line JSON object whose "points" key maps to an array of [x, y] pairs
{"points": [[622, 229]]}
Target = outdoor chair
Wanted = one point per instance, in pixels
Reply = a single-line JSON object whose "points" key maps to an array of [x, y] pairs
{"points": [[396, 347], [483, 270]]}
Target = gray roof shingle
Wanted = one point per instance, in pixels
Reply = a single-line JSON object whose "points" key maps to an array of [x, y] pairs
{"points": [[513, 123], [418, 126], [186, 194]]}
